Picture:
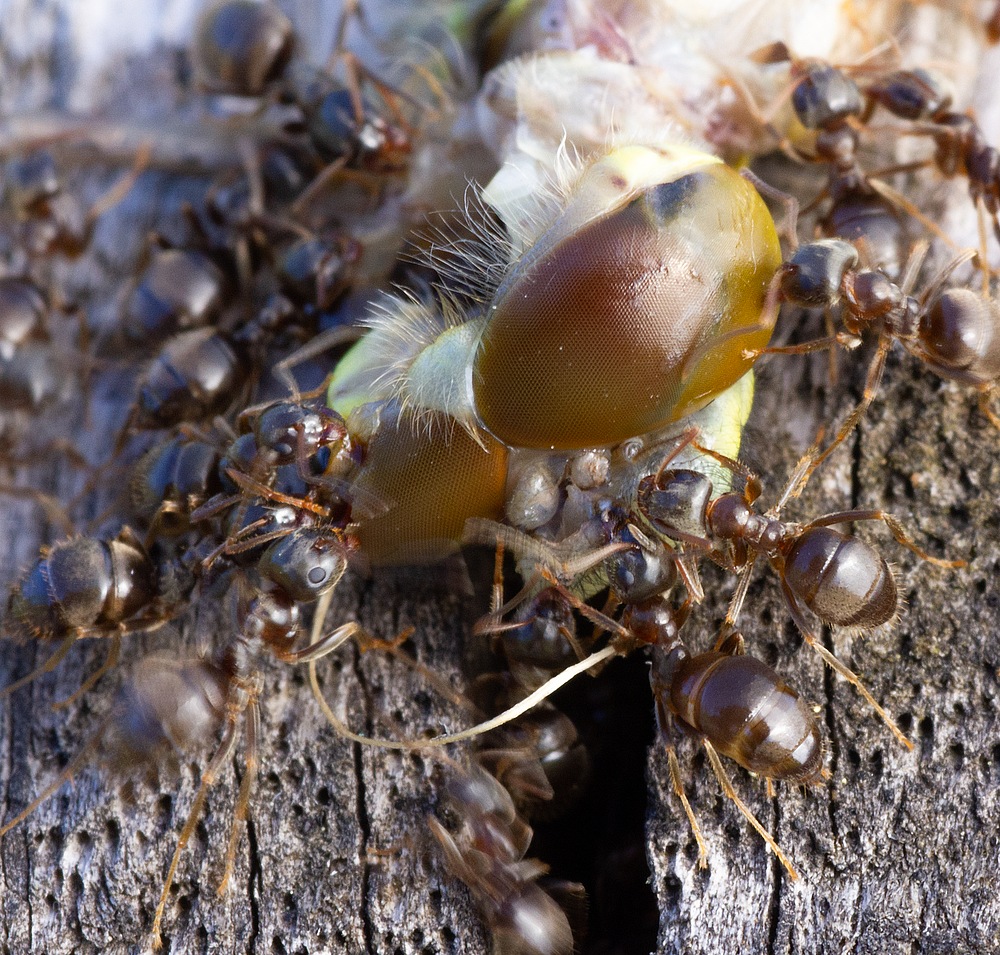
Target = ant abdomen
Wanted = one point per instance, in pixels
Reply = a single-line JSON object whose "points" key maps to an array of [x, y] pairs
{"points": [[958, 337], [841, 579], [241, 47], [171, 480], [194, 374], [84, 584], [749, 713]]}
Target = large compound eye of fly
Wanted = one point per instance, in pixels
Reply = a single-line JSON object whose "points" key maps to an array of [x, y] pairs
{"points": [[605, 327], [427, 477]]}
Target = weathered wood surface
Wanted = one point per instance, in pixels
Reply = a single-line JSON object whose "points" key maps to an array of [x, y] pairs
{"points": [[898, 853]]}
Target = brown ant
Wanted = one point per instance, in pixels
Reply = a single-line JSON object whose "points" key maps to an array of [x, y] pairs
{"points": [[826, 99], [954, 331], [839, 578], [241, 47], [29, 373], [353, 133], [171, 705], [50, 220], [177, 290], [736, 705], [172, 480], [960, 147]]}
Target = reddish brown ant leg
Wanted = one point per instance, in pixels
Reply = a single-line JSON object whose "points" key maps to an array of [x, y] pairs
{"points": [[730, 793], [984, 407], [872, 383], [678, 783], [251, 763], [846, 517], [222, 754]]}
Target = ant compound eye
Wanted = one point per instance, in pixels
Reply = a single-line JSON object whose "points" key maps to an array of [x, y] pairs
{"points": [[427, 477], [241, 46], [633, 309]]}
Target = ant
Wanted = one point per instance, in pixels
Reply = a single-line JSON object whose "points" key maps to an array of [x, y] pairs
{"points": [[170, 705], [241, 47], [177, 290], [92, 587], [487, 852], [953, 331], [839, 578], [29, 375], [827, 100], [960, 146], [50, 220], [245, 49], [735, 705]]}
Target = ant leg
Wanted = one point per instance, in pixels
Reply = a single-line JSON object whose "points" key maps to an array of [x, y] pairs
{"points": [[584, 609], [753, 488], [47, 667], [222, 753], [800, 475], [110, 661], [367, 643], [123, 187], [224, 547], [789, 225], [481, 530], [544, 557], [247, 483], [872, 383], [731, 643], [845, 671], [321, 343], [668, 732], [683, 440], [687, 569], [844, 339], [251, 734], [55, 513], [897, 199], [214, 505], [678, 784], [730, 793], [490, 626], [324, 645], [737, 600], [984, 407], [496, 593], [894, 525]]}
